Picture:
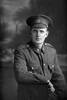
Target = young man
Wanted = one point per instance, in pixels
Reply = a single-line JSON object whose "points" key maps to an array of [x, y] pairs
{"points": [[37, 71]]}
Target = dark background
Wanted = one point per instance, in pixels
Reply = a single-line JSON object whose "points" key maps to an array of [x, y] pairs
{"points": [[13, 32], [13, 14]]}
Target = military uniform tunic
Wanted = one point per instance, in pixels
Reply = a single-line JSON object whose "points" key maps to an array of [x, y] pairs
{"points": [[33, 67]]}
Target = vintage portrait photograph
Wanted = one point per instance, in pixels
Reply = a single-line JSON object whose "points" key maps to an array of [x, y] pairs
{"points": [[33, 50]]}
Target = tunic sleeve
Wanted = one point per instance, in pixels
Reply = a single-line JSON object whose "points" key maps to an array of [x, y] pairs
{"points": [[58, 80], [21, 72]]}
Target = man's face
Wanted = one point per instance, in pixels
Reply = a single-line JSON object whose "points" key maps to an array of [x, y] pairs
{"points": [[38, 35]]}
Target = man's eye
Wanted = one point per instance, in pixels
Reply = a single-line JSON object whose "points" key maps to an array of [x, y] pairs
{"points": [[41, 31], [34, 31]]}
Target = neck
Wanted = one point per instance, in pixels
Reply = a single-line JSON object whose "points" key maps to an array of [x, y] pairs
{"points": [[39, 46]]}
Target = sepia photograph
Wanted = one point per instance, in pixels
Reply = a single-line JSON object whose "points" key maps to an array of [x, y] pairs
{"points": [[33, 50]]}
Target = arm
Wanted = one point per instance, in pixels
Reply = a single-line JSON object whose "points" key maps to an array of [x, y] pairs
{"points": [[21, 72], [58, 80]]}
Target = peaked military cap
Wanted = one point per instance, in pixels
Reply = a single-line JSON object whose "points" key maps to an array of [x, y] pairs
{"points": [[39, 21]]}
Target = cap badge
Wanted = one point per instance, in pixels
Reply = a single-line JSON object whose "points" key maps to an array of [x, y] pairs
{"points": [[38, 21]]}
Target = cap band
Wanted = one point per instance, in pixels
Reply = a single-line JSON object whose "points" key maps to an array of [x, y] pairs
{"points": [[41, 25]]}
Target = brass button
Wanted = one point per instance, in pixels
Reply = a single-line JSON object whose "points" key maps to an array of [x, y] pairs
{"points": [[44, 64], [32, 68], [52, 66]]}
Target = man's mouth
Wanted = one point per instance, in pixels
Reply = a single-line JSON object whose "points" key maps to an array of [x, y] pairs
{"points": [[38, 38]]}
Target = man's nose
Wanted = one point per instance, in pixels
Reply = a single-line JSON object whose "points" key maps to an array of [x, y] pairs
{"points": [[38, 33]]}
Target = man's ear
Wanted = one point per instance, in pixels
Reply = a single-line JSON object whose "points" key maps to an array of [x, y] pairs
{"points": [[47, 33]]}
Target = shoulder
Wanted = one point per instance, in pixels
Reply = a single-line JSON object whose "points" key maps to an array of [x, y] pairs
{"points": [[49, 45], [21, 48], [50, 48]]}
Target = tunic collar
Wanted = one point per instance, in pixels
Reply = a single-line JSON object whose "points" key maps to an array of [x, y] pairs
{"points": [[31, 44]]}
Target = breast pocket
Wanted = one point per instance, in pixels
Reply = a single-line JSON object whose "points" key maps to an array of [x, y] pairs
{"points": [[47, 71], [34, 67], [51, 67]]}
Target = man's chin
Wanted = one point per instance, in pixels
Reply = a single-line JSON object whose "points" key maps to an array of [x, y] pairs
{"points": [[38, 42]]}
